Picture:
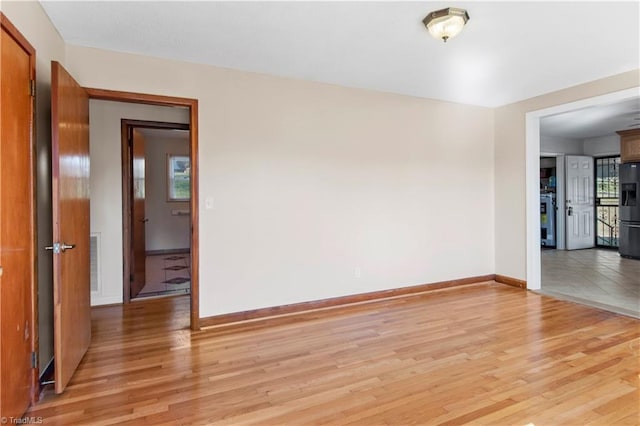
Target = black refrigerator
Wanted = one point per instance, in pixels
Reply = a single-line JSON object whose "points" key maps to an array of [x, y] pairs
{"points": [[630, 210]]}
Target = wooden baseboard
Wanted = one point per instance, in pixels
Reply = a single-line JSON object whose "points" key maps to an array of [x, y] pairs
{"points": [[304, 307], [107, 305], [514, 282]]}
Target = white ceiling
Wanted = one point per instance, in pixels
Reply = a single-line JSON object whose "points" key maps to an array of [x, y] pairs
{"points": [[508, 51], [593, 122]]}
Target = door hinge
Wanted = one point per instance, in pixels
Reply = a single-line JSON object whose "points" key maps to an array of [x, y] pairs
{"points": [[33, 88], [34, 359]]}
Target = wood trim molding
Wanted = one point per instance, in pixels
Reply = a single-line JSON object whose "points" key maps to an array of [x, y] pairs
{"points": [[195, 217], [126, 209], [146, 124], [140, 98], [192, 105], [17, 36], [22, 41], [306, 307], [514, 282]]}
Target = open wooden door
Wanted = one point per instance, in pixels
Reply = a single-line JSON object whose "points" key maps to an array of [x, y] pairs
{"points": [[70, 169], [17, 224], [139, 221]]}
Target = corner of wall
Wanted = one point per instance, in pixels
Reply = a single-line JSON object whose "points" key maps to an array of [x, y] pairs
{"points": [[494, 112]]}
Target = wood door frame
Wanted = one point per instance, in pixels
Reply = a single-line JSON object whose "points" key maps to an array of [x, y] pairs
{"points": [[192, 105], [22, 41], [126, 127]]}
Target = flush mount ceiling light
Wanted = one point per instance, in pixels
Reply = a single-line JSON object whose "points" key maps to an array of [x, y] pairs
{"points": [[446, 23]]}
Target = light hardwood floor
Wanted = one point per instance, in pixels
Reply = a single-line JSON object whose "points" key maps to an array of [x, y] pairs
{"points": [[479, 354]]}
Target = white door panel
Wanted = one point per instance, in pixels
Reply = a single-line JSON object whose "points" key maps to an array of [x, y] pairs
{"points": [[579, 202]]}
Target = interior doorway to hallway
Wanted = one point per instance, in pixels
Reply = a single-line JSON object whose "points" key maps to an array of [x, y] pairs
{"points": [[114, 264], [156, 182]]}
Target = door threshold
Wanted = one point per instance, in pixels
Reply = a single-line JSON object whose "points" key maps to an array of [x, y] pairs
{"points": [[599, 305]]}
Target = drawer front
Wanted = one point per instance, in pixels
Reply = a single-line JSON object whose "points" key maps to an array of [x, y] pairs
{"points": [[630, 239]]}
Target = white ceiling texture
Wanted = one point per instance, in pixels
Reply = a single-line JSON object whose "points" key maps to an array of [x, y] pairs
{"points": [[508, 51], [593, 122]]}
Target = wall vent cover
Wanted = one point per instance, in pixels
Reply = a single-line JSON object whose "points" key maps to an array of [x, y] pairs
{"points": [[94, 242]]}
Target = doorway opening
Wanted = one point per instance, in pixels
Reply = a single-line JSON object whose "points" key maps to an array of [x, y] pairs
{"points": [[610, 280], [156, 174], [191, 106], [548, 203]]}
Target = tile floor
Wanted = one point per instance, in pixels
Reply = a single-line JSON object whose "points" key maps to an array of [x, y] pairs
{"points": [[167, 274], [595, 277]]}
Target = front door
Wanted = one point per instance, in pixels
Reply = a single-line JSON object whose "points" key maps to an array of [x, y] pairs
{"points": [[17, 230], [139, 221], [579, 202], [71, 281]]}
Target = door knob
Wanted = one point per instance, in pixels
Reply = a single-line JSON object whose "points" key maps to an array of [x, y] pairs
{"points": [[569, 211], [145, 220], [60, 247]]}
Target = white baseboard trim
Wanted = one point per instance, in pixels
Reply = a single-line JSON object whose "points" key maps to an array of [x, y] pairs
{"points": [[109, 300]]}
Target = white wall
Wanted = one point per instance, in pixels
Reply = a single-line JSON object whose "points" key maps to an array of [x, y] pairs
{"points": [[595, 147], [164, 231], [34, 24], [106, 184], [602, 146], [311, 181], [554, 145]]}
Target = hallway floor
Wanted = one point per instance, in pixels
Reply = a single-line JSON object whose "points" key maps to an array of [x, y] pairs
{"points": [[167, 274], [595, 277]]}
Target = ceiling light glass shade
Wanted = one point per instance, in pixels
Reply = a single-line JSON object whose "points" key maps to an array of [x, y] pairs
{"points": [[446, 23]]}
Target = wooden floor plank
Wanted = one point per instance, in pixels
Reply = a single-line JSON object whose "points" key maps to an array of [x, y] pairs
{"points": [[483, 354]]}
